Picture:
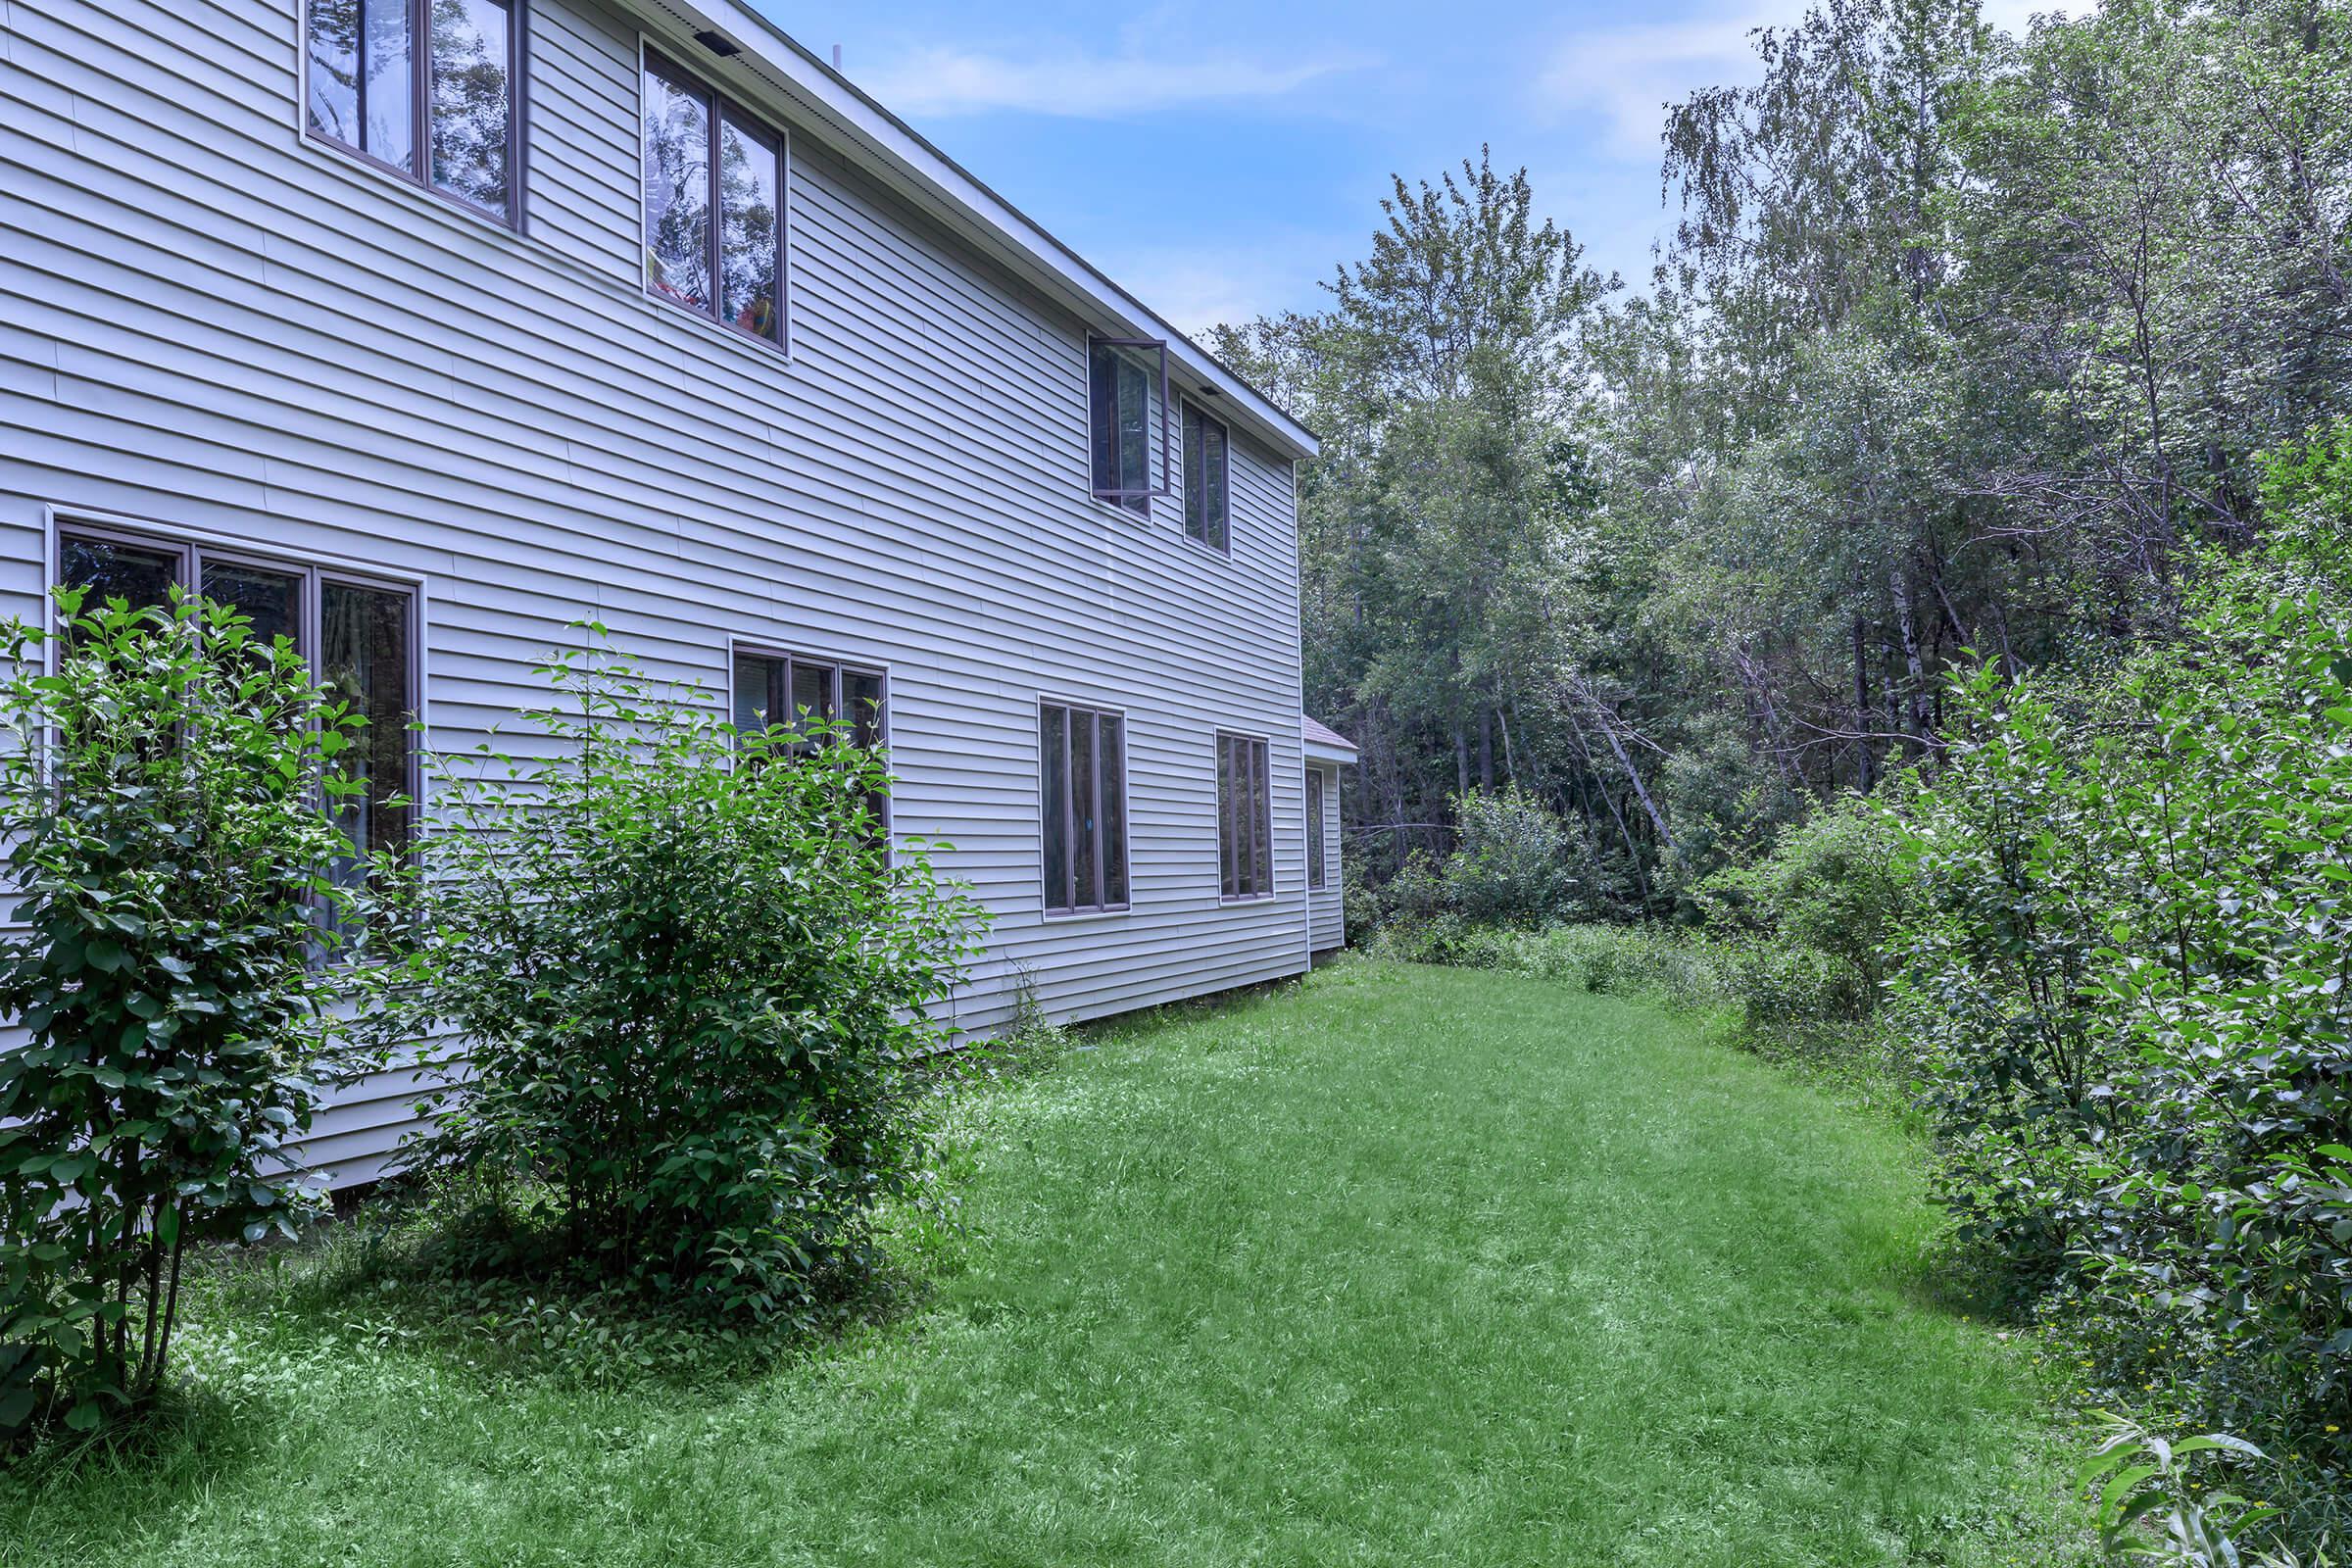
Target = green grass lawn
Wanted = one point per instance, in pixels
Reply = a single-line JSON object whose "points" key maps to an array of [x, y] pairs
{"points": [[1400, 1267]]}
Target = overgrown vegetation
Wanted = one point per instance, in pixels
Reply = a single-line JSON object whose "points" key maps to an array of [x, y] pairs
{"points": [[2108, 936], [159, 794], [2128, 989], [696, 986], [1891, 593]]}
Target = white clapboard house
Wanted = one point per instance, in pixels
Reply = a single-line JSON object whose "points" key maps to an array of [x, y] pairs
{"points": [[425, 330]]}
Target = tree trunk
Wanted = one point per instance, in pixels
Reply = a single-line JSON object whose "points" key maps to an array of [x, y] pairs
{"points": [[1867, 768]]}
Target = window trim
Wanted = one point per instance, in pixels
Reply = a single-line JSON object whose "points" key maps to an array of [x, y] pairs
{"points": [[195, 546], [1318, 825], [1224, 545], [1098, 711], [1261, 826], [673, 65], [515, 219], [1134, 503], [758, 648]]}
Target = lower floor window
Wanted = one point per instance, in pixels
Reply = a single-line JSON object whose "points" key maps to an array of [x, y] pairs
{"points": [[1245, 819], [793, 690], [1316, 876], [358, 634], [1082, 778]]}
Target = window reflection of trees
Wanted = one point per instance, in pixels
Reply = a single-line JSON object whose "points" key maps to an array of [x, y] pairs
{"points": [[471, 105], [365, 78], [677, 192]]}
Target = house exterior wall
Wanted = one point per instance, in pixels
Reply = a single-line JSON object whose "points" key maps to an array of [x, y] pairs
{"points": [[1327, 904], [212, 324]]}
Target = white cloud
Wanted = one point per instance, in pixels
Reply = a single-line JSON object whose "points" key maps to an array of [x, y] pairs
{"points": [[1195, 287], [936, 84], [1627, 75]]}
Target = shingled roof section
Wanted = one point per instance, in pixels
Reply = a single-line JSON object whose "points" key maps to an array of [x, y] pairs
{"points": [[1319, 734]]}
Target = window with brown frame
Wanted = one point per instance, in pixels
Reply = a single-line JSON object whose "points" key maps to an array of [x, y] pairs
{"points": [[1208, 479], [713, 204], [1316, 875], [360, 635], [1127, 384], [428, 90], [1082, 777], [791, 689], [1245, 819]]}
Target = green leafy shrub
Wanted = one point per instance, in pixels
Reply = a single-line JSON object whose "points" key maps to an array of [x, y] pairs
{"points": [[2152, 1507], [695, 987], [160, 800], [1817, 910], [2130, 976], [1513, 862]]}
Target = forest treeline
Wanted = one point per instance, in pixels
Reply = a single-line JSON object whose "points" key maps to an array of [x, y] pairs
{"points": [[1959, 342], [1917, 626]]}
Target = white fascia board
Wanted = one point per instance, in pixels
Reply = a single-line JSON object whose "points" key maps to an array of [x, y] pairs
{"points": [[892, 151]]}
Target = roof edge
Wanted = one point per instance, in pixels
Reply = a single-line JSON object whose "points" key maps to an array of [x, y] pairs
{"points": [[919, 169]]}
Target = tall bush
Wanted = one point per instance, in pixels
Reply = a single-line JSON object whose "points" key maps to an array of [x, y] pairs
{"points": [[694, 985], [1515, 860], [2131, 974], [1811, 920], [161, 799]]}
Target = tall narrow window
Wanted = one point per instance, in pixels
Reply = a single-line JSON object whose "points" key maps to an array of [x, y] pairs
{"points": [[714, 204], [1245, 819], [428, 89], [1082, 779], [1207, 501], [1315, 876], [359, 635], [1127, 381]]}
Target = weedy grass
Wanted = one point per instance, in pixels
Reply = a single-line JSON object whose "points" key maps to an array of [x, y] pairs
{"points": [[1400, 1266]]}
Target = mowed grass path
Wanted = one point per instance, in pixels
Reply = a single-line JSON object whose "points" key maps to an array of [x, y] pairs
{"points": [[1398, 1266]]}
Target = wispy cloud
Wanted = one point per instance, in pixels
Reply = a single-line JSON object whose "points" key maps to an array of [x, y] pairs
{"points": [[1629, 74], [1199, 286], [939, 82]]}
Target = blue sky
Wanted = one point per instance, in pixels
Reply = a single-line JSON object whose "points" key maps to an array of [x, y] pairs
{"points": [[1220, 157]]}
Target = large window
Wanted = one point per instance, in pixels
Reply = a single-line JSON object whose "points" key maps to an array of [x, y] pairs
{"points": [[359, 633], [429, 89], [791, 689], [1315, 875], [1207, 499], [1127, 383], [1245, 819], [714, 204], [1082, 766]]}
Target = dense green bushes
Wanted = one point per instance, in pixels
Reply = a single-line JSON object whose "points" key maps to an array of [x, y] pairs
{"points": [[694, 984], [690, 978], [160, 797], [2129, 986]]}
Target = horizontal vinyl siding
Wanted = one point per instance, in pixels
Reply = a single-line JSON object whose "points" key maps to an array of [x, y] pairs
{"points": [[208, 321], [1328, 903]]}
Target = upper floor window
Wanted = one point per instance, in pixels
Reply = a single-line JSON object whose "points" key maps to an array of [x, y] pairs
{"points": [[1245, 819], [1127, 380], [428, 90], [714, 204], [1082, 764], [1316, 876], [358, 634], [1207, 492]]}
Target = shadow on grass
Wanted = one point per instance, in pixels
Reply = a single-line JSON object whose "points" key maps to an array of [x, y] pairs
{"points": [[188, 1441]]}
